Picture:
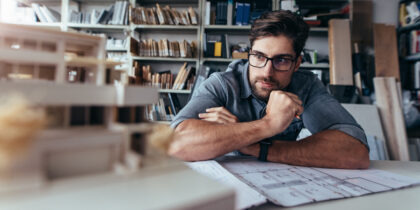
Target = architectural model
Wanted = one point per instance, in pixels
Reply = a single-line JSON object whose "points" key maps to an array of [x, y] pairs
{"points": [[93, 118]]}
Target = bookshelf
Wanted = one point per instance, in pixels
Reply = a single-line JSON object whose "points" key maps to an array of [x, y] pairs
{"points": [[407, 35], [236, 34], [409, 61]]}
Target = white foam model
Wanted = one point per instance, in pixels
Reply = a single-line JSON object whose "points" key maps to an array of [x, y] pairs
{"points": [[64, 71]]}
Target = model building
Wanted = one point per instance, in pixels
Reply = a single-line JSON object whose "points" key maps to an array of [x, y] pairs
{"points": [[93, 119]]}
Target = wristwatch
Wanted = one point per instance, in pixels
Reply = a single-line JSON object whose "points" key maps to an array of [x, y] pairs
{"points": [[264, 145]]}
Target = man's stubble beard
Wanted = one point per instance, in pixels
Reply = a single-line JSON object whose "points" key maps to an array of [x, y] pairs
{"points": [[263, 93]]}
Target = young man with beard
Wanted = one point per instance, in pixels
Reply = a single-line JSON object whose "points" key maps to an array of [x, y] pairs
{"points": [[258, 107]]}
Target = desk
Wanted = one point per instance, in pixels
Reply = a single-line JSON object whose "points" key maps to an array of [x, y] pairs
{"points": [[171, 187], [404, 199]]}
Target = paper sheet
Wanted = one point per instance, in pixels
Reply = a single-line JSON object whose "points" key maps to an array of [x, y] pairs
{"points": [[245, 195], [287, 185]]}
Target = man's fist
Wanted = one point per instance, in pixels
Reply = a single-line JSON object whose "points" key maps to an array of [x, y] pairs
{"points": [[282, 107]]}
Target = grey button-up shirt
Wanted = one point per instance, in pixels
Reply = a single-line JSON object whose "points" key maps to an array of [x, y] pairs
{"points": [[231, 89]]}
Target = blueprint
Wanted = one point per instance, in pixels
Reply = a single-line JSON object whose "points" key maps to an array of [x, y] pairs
{"points": [[287, 185], [246, 196]]}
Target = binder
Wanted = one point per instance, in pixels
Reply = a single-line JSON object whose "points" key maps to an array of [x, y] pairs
{"points": [[239, 13], [245, 15], [217, 49]]}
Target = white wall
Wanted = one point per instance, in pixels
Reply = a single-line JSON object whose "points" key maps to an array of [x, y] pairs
{"points": [[385, 11]]}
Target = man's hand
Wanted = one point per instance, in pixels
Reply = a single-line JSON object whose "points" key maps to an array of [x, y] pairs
{"points": [[282, 107], [219, 115]]}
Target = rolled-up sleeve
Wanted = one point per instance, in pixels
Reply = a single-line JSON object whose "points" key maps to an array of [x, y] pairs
{"points": [[207, 95], [323, 112]]}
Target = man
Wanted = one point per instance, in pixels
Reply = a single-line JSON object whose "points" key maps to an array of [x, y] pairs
{"points": [[258, 106]]}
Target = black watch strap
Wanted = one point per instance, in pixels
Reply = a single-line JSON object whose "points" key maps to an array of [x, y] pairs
{"points": [[264, 145]]}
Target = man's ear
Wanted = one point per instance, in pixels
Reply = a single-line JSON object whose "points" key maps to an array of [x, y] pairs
{"points": [[298, 62]]}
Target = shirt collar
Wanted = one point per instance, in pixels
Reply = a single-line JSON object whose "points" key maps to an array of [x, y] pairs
{"points": [[245, 86]]}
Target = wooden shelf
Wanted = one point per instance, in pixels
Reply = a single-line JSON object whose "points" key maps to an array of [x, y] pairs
{"points": [[408, 28], [315, 66], [318, 29], [248, 27], [412, 58], [227, 27], [99, 26], [116, 49], [219, 60], [168, 59], [165, 27], [174, 91]]}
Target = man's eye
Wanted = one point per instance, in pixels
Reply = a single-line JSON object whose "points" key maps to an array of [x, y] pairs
{"points": [[260, 57], [280, 60]]}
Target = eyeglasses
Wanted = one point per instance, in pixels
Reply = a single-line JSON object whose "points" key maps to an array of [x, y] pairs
{"points": [[280, 63]]}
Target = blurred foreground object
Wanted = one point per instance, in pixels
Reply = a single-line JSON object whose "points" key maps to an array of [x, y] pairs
{"points": [[19, 123]]}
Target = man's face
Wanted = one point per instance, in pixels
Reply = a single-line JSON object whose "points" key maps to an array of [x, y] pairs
{"points": [[265, 79]]}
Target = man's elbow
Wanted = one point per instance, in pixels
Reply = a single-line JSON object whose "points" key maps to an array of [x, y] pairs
{"points": [[360, 159], [182, 148]]}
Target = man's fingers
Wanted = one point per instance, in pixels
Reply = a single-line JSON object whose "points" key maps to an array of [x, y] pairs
{"points": [[299, 110], [221, 110], [217, 114], [294, 97], [218, 119]]}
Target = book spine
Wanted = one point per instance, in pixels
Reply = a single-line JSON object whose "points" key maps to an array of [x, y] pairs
{"points": [[229, 12]]}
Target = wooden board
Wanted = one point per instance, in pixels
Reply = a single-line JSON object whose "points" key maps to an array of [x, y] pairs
{"points": [[386, 51], [341, 69], [389, 104], [361, 27]]}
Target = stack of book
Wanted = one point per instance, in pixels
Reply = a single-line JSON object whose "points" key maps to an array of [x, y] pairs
{"points": [[114, 43], [116, 14], [185, 78], [161, 111], [164, 48], [217, 46], [227, 13], [164, 79], [45, 14], [163, 16]]}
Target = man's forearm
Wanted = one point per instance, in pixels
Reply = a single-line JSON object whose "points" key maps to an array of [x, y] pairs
{"points": [[328, 149], [202, 140]]}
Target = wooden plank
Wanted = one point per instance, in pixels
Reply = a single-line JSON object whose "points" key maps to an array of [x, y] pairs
{"points": [[386, 51], [389, 104], [341, 69], [361, 27]]}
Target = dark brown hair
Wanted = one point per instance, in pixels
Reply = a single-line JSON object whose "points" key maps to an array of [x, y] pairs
{"points": [[281, 22]]}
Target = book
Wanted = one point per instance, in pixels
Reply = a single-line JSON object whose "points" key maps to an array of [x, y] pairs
{"points": [[208, 15], [193, 16], [174, 102], [245, 15], [51, 15], [217, 49], [229, 16], [239, 13], [179, 76], [39, 13]]}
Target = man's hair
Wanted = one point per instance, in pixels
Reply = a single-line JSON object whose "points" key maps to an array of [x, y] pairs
{"points": [[281, 22]]}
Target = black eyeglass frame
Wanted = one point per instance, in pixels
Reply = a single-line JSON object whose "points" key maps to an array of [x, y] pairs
{"points": [[271, 59]]}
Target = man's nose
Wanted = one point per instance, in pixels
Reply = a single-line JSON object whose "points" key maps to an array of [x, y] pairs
{"points": [[268, 68]]}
